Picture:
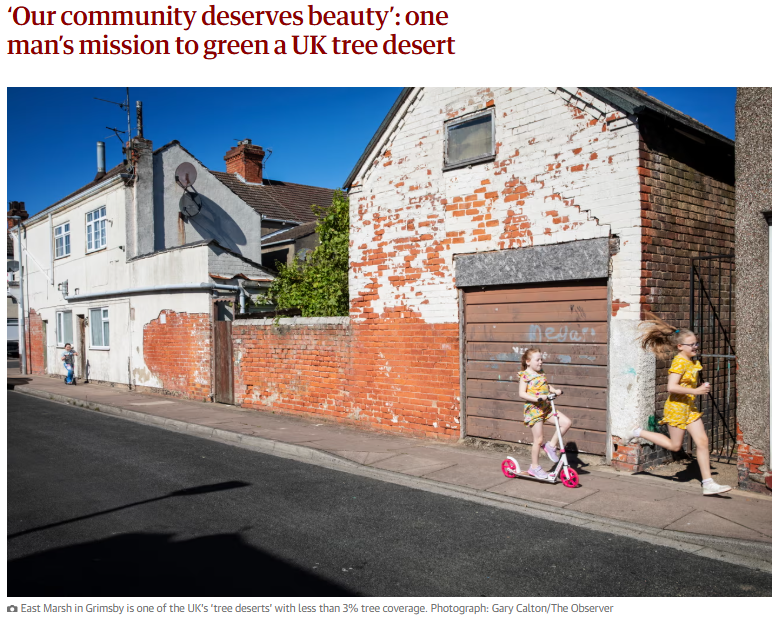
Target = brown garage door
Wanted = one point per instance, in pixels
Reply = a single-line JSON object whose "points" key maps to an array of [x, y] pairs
{"points": [[569, 324]]}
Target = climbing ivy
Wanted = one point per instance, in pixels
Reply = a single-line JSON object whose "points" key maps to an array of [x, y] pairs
{"points": [[318, 284]]}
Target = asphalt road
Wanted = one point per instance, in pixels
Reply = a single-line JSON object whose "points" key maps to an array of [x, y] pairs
{"points": [[105, 507]]}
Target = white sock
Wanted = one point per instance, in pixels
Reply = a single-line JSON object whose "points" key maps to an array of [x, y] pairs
{"points": [[707, 481], [637, 432]]}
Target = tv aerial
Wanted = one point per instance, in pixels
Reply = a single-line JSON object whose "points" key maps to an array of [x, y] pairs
{"points": [[185, 177]]}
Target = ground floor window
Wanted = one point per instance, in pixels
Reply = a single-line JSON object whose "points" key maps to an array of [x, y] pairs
{"points": [[64, 328], [99, 328]]}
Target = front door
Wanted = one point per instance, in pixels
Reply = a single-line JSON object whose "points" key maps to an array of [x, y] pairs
{"points": [[82, 357]]}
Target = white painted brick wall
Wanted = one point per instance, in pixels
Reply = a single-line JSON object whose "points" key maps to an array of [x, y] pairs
{"points": [[579, 172]]}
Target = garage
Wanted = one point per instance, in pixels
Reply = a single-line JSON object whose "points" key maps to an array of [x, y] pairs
{"points": [[568, 321]]}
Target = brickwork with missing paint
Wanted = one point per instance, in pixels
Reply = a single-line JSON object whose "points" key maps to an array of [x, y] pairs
{"points": [[178, 352]]}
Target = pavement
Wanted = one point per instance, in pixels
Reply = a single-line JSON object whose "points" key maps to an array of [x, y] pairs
{"points": [[664, 510]]}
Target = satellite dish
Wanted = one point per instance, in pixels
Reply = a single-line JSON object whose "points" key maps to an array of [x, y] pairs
{"points": [[190, 204], [185, 175]]}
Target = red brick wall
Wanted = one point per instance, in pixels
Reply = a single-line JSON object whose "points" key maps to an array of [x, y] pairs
{"points": [[178, 351], [688, 209], [399, 376], [36, 341]]}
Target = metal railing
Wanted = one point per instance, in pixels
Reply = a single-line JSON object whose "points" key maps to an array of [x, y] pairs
{"points": [[712, 288]]}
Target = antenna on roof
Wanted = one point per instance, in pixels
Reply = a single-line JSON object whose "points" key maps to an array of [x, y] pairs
{"points": [[126, 105], [117, 133]]}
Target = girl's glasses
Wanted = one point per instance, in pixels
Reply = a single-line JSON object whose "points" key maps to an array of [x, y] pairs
{"points": [[692, 345]]}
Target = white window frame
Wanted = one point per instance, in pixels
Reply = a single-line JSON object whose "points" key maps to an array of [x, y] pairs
{"points": [[64, 234], [104, 310], [485, 157], [91, 227], [59, 328]]}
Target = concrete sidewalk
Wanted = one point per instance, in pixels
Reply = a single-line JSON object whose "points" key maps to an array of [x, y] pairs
{"points": [[736, 528]]}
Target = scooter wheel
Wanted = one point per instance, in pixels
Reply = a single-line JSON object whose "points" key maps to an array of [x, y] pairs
{"points": [[573, 480], [509, 468]]}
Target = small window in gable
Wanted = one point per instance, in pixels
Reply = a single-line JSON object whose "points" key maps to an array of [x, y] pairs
{"points": [[62, 240], [469, 140]]}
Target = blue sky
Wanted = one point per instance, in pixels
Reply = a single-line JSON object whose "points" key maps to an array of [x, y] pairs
{"points": [[316, 134]]}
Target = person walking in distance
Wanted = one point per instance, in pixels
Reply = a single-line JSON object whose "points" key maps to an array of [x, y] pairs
{"points": [[537, 411], [68, 362], [680, 413]]}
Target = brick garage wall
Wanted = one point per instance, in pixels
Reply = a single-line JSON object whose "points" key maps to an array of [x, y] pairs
{"points": [[688, 210], [397, 376], [178, 351], [36, 341]]}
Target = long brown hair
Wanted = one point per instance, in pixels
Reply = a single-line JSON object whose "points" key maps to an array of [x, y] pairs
{"points": [[661, 337], [527, 356]]}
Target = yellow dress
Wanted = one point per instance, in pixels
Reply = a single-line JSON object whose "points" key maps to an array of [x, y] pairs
{"points": [[679, 410], [536, 385]]}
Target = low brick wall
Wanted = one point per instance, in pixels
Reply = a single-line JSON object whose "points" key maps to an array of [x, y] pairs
{"points": [[178, 352], [397, 375]]}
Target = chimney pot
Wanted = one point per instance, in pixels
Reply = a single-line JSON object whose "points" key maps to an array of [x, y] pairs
{"points": [[16, 208], [246, 160]]}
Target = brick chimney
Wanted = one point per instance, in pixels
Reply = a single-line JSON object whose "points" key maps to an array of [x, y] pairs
{"points": [[245, 159], [16, 208]]}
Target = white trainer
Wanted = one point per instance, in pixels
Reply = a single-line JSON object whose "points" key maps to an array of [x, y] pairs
{"points": [[713, 488], [630, 436]]}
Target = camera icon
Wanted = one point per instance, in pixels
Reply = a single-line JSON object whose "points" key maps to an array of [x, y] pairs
{"points": [[13, 608]]}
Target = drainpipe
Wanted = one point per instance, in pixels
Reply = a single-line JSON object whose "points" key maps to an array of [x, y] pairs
{"points": [[51, 251], [204, 286]]}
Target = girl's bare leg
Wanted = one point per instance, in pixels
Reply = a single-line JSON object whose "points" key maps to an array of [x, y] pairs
{"points": [[565, 423], [673, 443], [697, 432], [538, 435]]}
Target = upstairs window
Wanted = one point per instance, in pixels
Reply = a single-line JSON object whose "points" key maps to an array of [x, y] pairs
{"points": [[96, 229], [469, 140], [62, 240]]}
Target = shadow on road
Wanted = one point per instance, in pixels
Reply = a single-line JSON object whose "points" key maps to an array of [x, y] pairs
{"points": [[157, 565], [188, 491], [12, 382]]}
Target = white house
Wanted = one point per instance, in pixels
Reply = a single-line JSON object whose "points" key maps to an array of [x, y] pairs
{"points": [[140, 269]]}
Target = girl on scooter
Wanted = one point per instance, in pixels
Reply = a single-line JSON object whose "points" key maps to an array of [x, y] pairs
{"points": [[538, 410], [680, 413]]}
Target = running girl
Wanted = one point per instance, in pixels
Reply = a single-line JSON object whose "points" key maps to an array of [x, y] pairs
{"points": [[538, 410], [680, 413]]}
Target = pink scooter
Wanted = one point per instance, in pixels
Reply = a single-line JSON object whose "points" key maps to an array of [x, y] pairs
{"points": [[568, 475]]}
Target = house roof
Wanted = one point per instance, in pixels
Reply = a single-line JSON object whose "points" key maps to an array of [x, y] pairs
{"points": [[628, 99], [278, 200], [120, 168], [288, 235], [636, 101]]}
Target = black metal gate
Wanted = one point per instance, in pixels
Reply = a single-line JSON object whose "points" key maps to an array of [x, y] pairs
{"points": [[711, 319]]}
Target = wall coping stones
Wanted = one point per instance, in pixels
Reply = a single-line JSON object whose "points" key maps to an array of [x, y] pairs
{"points": [[295, 321]]}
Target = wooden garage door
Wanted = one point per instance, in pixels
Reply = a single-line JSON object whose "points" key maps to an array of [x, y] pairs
{"points": [[569, 325]]}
